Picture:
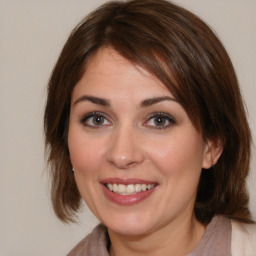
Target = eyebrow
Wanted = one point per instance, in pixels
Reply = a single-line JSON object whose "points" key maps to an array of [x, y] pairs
{"points": [[95, 100], [104, 102], [151, 101]]}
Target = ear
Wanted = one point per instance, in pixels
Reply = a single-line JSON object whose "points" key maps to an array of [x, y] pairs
{"points": [[212, 152]]}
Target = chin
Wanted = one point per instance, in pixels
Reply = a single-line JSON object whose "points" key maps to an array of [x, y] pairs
{"points": [[130, 226], [129, 230]]}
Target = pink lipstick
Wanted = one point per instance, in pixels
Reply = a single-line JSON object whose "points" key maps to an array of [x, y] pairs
{"points": [[127, 191]]}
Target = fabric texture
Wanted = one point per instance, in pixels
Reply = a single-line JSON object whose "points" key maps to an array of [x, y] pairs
{"points": [[223, 237], [95, 244], [216, 239], [243, 239]]}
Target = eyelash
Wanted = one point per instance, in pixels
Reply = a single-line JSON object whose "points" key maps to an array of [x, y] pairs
{"points": [[159, 115], [91, 115]]}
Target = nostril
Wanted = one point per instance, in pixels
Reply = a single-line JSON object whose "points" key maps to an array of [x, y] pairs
{"points": [[123, 163], [124, 150]]}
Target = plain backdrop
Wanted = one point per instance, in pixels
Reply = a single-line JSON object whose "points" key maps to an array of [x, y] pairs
{"points": [[32, 33]]}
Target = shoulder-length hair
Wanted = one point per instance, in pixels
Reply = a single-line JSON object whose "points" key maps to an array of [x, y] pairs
{"points": [[187, 57]]}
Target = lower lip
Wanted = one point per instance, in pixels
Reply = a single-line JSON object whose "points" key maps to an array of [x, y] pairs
{"points": [[127, 199]]}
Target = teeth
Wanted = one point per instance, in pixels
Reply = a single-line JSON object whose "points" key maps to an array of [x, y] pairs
{"points": [[138, 188], [130, 189]]}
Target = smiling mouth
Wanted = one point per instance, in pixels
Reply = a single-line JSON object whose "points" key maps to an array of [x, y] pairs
{"points": [[130, 189]]}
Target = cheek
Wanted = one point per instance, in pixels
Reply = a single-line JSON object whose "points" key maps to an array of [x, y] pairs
{"points": [[85, 153], [180, 165], [178, 155]]}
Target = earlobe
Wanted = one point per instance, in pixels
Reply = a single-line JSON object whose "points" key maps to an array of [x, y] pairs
{"points": [[212, 153]]}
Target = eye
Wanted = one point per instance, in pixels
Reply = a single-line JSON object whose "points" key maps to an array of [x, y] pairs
{"points": [[95, 120], [160, 121]]}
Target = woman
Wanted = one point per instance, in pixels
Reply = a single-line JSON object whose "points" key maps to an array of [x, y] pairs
{"points": [[145, 121]]}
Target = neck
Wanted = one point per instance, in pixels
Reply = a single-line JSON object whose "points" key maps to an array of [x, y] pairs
{"points": [[174, 239]]}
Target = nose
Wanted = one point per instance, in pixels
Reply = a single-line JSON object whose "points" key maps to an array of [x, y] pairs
{"points": [[125, 149]]}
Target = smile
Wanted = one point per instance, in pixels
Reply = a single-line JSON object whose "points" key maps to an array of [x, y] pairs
{"points": [[130, 189], [127, 191]]}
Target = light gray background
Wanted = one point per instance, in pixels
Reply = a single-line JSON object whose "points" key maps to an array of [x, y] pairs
{"points": [[32, 33]]}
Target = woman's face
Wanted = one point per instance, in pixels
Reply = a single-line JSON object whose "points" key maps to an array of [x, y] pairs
{"points": [[137, 157]]}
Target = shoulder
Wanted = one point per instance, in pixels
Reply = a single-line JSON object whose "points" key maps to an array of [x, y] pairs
{"points": [[93, 244], [243, 239]]}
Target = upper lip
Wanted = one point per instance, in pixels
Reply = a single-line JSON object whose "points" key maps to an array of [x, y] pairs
{"points": [[126, 181]]}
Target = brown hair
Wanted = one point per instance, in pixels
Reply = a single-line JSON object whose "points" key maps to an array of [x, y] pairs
{"points": [[183, 53]]}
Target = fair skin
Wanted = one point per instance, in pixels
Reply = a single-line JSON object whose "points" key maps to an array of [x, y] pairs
{"points": [[126, 128]]}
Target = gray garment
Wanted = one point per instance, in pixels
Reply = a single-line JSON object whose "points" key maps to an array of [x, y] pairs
{"points": [[95, 244], [216, 241]]}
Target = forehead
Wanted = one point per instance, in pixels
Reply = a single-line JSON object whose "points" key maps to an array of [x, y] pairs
{"points": [[107, 72]]}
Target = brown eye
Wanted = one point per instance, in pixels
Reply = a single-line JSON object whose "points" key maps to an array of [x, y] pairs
{"points": [[98, 120], [160, 121], [95, 120]]}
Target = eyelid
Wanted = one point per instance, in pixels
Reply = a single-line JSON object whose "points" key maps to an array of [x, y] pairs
{"points": [[149, 117], [92, 114], [167, 116]]}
